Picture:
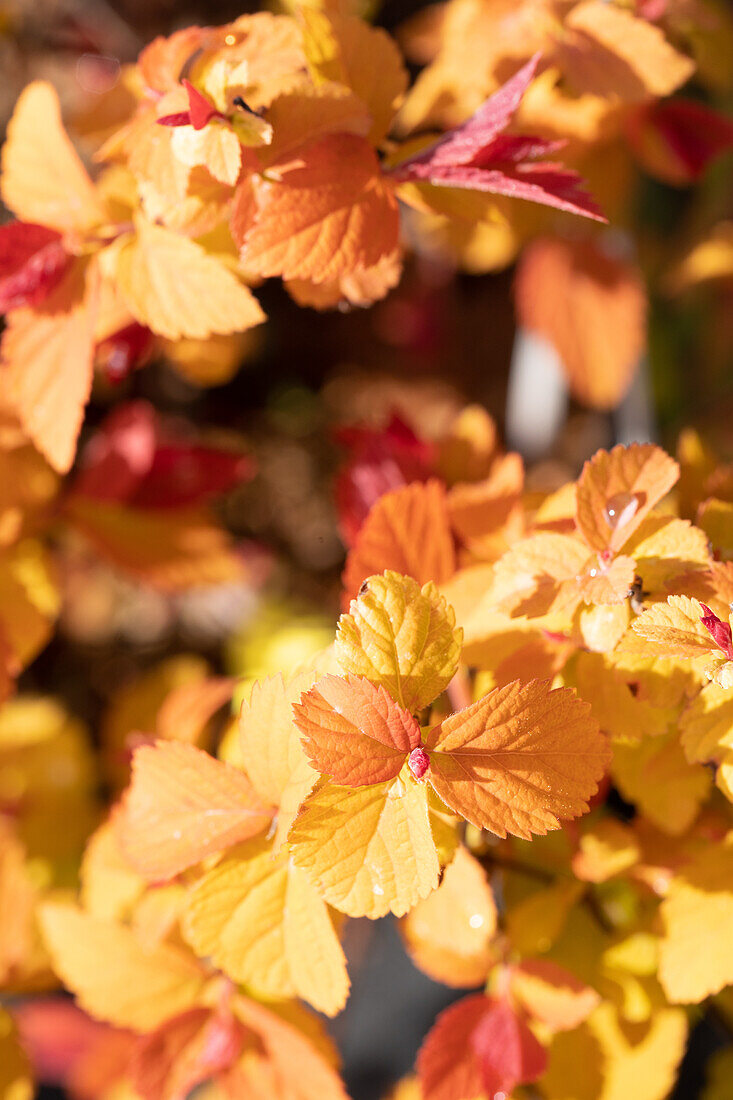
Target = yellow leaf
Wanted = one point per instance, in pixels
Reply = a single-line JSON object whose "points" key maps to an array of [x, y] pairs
{"points": [[345, 49], [401, 636], [216, 147], [621, 55], [716, 519], [109, 886], [172, 285], [534, 923], [29, 600], [606, 849], [183, 805], [696, 950], [261, 921], [620, 713], [610, 1059], [449, 933], [664, 548], [518, 760], [16, 1082], [43, 179], [271, 750], [369, 850], [111, 974], [673, 629], [656, 777], [706, 726]]}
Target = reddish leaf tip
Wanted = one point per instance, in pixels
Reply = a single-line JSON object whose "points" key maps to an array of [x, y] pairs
{"points": [[418, 762]]}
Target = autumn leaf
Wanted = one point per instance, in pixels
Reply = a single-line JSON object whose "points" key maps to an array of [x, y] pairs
{"points": [[134, 987], [478, 1046], [16, 1082], [448, 934], [518, 760], [605, 849], [401, 636], [408, 531], [186, 1051], [353, 731], [551, 994], [323, 214], [656, 777], [271, 749], [674, 629], [47, 356], [32, 261], [174, 287], [299, 1059], [346, 50], [479, 156], [171, 550], [677, 139], [262, 922], [609, 51], [368, 850], [43, 180], [695, 957], [592, 308], [183, 805], [617, 489]]}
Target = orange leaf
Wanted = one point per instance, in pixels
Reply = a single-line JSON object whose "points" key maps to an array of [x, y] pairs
{"points": [[183, 805], [592, 309], [299, 1070], [184, 1052], [408, 531], [609, 51], [519, 760], [449, 933], [618, 488], [481, 508], [47, 355], [552, 995], [43, 180], [354, 732], [171, 549], [188, 709], [324, 214]]}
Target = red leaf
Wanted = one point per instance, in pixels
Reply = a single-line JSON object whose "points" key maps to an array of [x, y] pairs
{"points": [[479, 157], [677, 139], [381, 460], [180, 118], [506, 1049], [200, 109], [720, 631], [478, 1045], [131, 460], [32, 262], [469, 141], [121, 352]]}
